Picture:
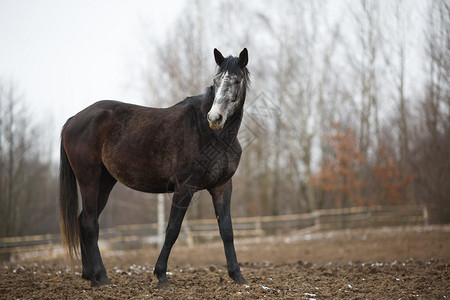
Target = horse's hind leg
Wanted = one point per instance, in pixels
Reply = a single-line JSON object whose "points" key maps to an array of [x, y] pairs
{"points": [[94, 196]]}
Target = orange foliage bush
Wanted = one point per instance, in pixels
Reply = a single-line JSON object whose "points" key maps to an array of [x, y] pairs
{"points": [[343, 180]]}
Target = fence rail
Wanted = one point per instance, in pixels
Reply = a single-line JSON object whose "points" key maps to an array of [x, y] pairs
{"points": [[135, 236]]}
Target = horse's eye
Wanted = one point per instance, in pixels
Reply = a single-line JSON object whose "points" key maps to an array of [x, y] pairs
{"points": [[237, 81]]}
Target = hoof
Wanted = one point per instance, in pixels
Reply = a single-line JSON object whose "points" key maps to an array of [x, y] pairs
{"points": [[164, 286], [163, 283], [100, 282], [162, 279], [84, 275], [240, 280]]}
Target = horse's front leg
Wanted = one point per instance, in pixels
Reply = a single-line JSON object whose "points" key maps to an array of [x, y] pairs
{"points": [[180, 204], [221, 198]]}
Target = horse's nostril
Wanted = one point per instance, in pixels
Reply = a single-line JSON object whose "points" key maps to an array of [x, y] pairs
{"points": [[217, 118]]}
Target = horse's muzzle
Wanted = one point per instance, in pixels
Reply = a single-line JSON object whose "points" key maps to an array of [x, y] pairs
{"points": [[215, 126], [215, 120]]}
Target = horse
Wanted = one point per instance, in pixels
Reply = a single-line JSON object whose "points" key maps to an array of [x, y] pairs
{"points": [[181, 149]]}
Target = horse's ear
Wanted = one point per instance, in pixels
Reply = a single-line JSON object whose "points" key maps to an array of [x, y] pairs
{"points": [[218, 57], [243, 58]]}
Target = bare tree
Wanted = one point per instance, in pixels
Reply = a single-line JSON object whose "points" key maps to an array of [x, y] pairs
{"points": [[437, 47], [364, 58], [431, 159], [397, 60], [26, 179]]}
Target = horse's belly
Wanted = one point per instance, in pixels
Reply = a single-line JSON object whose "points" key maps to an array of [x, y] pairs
{"points": [[151, 187], [140, 176]]}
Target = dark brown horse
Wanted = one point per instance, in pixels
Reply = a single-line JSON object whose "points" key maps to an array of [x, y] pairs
{"points": [[181, 149]]}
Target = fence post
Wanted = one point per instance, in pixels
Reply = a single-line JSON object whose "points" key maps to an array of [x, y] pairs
{"points": [[258, 227], [122, 239], [160, 228], [317, 214], [425, 216], [187, 230]]}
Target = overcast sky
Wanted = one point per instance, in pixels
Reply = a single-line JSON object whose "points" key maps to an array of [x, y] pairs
{"points": [[64, 55]]}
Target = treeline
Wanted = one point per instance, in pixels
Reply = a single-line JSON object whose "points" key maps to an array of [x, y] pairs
{"points": [[27, 175], [349, 103]]}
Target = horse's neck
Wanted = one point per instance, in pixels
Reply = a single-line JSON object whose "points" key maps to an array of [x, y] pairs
{"points": [[208, 99]]}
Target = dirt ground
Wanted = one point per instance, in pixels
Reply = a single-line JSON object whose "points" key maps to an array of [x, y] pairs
{"points": [[386, 263]]}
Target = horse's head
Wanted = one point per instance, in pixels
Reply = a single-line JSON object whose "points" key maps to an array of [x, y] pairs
{"points": [[230, 85]]}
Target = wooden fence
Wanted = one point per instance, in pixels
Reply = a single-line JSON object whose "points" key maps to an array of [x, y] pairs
{"points": [[193, 231]]}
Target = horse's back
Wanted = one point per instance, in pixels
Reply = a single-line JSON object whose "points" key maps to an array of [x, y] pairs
{"points": [[95, 114], [89, 125]]}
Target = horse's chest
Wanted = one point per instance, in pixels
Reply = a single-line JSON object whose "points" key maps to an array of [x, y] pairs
{"points": [[216, 164]]}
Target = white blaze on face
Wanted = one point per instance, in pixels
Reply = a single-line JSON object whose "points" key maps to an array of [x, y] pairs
{"points": [[224, 101]]}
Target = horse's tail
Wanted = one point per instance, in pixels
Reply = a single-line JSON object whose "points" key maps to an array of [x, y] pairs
{"points": [[68, 207]]}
